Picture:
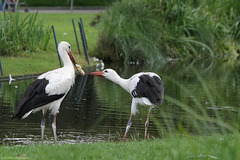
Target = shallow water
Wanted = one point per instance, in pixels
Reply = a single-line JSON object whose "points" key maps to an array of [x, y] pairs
{"points": [[96, 109]]}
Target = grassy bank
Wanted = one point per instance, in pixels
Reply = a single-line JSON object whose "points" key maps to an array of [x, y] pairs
{"points": [[220, 147], [38, 62], [35, 64]]}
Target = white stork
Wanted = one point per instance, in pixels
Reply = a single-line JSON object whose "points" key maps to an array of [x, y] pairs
{"points": [[146, 88], [49, 89]]}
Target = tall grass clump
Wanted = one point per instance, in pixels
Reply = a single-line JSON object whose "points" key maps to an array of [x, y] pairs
{"points": [[153, 30], [22, 33]]}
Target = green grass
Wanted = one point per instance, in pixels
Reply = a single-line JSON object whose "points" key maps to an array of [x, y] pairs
{"points": [[216, 146], [64, 29], [42, 61]]}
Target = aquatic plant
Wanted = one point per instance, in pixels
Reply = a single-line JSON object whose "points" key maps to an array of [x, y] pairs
{"points": [[153, 30]]}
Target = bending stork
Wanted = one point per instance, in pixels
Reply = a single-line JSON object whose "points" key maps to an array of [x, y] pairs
{"points": [[146, 88], [49, 89]]}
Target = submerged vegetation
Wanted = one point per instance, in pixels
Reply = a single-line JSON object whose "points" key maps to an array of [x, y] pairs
{"points": [[153, 30], [22, 33]]}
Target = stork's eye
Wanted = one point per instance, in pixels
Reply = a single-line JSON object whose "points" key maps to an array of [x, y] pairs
{"points": [[106, 71], [69, 47]]}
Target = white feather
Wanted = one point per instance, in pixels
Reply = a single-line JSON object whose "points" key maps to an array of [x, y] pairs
{"points": [[134, 106], [11, 79], [53, 106], [60, 80], [26, 114]]}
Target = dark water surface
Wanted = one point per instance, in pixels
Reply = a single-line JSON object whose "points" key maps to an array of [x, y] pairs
{"points": [[96, 109]]}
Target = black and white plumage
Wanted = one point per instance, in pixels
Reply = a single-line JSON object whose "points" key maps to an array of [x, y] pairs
{"points": [[146, 88], [49, 89]]}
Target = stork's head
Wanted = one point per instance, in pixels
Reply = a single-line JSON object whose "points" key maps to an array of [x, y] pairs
{"points": [[107, 73], [63, 48]]}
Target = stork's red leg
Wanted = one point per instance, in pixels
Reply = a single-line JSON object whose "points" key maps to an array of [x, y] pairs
{"points": [[54, 127], [43, 124], [128, 126], [147, 122]]}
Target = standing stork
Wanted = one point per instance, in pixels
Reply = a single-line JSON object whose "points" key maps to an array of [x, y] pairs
{"points": [[49, 89], [146, 88]]}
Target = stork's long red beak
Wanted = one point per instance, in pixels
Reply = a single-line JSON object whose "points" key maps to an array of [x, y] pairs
{"points": [[98, 73], [76, 66], [72, 59]]}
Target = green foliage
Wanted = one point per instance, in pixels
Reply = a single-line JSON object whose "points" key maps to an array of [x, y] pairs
{"points": [[153, 30], [21, 33]]}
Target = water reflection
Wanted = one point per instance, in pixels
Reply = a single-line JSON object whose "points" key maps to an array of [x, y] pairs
{"points": [[96, 109]]}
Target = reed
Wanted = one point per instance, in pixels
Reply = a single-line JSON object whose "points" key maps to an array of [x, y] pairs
{"points": [[146, 31]]}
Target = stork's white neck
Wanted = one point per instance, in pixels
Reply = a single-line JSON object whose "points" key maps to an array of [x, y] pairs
{"points": [[65, 58], [124, 83]]}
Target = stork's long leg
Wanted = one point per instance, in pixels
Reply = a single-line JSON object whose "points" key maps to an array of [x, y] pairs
{"points": [[133, 111], [146, 123], [54, 127], [128, 126], [43, 124]]}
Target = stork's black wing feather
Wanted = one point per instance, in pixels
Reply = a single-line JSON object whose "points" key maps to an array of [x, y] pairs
{"points": [[34, 97], [149, 87]]}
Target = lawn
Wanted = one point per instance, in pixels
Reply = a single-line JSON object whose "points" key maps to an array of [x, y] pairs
{"points": [[45, 61], [64, 29], [219, 147]]}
